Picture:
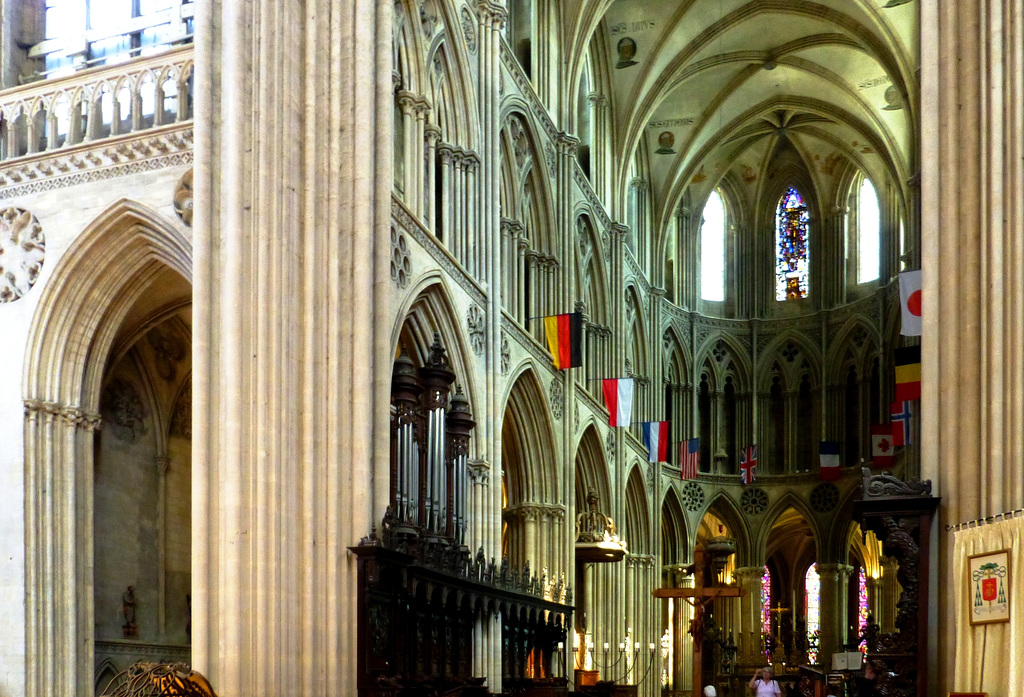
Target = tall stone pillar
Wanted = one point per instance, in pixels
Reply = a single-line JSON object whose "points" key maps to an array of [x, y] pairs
{"points": [[748, 638], [972, 234], [832, 626], [292, 342]]}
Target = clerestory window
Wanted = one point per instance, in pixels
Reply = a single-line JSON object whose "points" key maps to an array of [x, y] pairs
{"points": [[868, 233], [712, 249], [86, 33], [792, 269]]}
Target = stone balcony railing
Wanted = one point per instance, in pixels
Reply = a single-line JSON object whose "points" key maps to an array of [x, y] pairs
{"points": [[94, 104], [97, 123]]}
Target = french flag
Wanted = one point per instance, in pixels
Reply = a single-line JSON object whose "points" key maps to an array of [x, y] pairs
{"points": [[656, 440], [618, 397]]}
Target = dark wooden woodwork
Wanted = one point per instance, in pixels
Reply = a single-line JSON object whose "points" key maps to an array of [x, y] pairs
{"points": [[900, 514]]}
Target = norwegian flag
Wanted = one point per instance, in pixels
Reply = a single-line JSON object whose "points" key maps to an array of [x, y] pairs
{"points": [[902, 413], [748, 464]]}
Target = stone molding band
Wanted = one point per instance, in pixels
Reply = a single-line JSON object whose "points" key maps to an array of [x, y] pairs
{"points": [[72, 416]]}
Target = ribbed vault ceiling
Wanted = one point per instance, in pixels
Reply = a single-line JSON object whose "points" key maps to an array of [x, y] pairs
{"points": [[729, 79]]}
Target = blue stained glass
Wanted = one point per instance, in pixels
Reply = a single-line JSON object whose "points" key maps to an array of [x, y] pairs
{"points": [[812, 609], [791, 266]]}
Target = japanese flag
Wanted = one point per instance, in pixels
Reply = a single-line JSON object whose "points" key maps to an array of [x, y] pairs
{"points": [[910, 300]]}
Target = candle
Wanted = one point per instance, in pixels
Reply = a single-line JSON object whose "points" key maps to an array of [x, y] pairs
{"points": [[561, 646], [637, 647], [622, 646], [651, 646], [606, 646]]}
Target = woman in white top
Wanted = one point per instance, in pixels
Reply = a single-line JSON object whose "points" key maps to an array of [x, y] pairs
{"points": [[766, 686]]}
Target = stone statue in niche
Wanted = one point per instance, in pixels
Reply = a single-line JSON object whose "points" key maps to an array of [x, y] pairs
{"points": [[130, 629]]}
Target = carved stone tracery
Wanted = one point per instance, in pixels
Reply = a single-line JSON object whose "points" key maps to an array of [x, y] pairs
{"points": [[22, 251]]}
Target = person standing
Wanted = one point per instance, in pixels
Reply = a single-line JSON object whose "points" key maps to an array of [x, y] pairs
{"points": [[764, 683]]}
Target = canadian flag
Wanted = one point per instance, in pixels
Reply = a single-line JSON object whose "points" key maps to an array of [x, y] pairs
{"points": [[910, 300], [881, 446]]}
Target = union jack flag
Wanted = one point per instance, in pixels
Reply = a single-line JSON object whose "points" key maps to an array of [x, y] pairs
{"points": [[748, 464]]}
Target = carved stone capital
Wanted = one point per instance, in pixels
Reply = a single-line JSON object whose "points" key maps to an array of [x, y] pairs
{"points": [[619, 232], [480, 472], [162, 465], [568, 144]]}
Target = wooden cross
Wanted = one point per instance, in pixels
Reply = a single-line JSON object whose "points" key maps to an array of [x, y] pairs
{"points": [[698, 597]]}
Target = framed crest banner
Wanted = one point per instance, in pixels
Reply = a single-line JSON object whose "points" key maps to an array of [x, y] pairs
{"points": [[988, 577]]}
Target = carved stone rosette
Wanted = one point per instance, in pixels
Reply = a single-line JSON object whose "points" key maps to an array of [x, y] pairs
{"points": [[22, 251]]}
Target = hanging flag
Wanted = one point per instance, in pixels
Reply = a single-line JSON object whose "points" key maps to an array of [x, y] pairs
{"points": [[565, 339], [828, 452], [908, 373], [618, 397], [902, 413], [910, 300], [881, 445], [748, 464], [689, 458], [656, 440]]}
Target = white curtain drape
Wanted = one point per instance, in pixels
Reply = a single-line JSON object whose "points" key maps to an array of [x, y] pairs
{"points": [[990, 657]]}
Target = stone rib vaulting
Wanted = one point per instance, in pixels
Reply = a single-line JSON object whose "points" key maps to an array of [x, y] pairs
{"points": [[307, 306]]}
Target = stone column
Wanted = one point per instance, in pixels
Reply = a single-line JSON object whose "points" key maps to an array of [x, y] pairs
{"points": [[972, 233], [292, 347], [59, 446], [832, 622], [748, 638], [433, 136], [162, 464]]}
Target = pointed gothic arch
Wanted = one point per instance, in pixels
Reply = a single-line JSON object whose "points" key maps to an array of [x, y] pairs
{"points": [[86, 297]]}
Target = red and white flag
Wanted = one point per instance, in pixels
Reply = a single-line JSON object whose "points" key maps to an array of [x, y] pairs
{"points": [[618, 397], [882, 446], [910, 300], [689, 458]]}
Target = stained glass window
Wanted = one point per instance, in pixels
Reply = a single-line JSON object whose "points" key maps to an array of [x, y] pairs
{"points": [[791, 267], [812, 611], [766, 605], [868, 225], [862, 606], [712, 249]]}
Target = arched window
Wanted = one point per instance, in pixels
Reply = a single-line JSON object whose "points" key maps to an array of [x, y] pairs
{"points": [[114, 30], [712, 249], [868, 225], [812, 611], [862, 606], [791, 266], [766, 605]]}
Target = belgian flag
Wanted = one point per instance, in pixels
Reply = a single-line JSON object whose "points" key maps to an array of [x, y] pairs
{"points": [[908, 373], [565, 339]]}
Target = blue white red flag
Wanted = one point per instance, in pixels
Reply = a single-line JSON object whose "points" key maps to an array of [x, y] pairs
{"points": [[748, 464], [828, 452], [656, 440]]}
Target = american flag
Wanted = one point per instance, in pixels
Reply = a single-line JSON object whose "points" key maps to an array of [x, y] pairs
{"points": [[748, 464], [689, 458]]}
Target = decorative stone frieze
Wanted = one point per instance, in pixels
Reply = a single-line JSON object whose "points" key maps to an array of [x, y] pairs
{"points": [[693, 496], [468, 28], [824, 497], [110, 158], [754, 501], [476, 325], [22, 251], [183, 198], [557, 395], [506, 354], [73, 416]]}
